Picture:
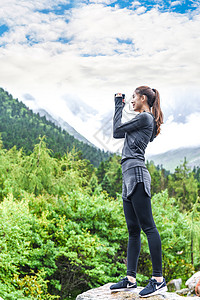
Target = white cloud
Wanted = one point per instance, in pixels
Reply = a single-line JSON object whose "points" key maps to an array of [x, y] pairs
{"points": [[141, 10], [30, 4], [174, 3], [175, 135], [135, 4], [110, 50], [26, 22], [102, 1]]}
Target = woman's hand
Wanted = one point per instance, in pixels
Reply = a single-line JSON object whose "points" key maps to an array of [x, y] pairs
{"points": [[121, 95]]}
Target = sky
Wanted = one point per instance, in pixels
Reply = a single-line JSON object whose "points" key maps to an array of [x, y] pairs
{"points": [[71, 57]]}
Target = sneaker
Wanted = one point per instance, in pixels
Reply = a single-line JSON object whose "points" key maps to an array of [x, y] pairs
{"points": [[153, 288], [123, 284]]}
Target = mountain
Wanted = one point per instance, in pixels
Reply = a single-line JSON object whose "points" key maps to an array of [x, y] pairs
{"points": [[63, 124], [21, 127], [171, 159]]}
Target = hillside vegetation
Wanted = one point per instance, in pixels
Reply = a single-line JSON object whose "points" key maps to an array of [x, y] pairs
{"points": [[62, 225], [171, 159], [20, 127], [62, 232]]}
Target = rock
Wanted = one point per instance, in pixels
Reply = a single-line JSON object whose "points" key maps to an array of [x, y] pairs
{"points": [[192, 282], [104, 293], [174, 284], [183, 291]]}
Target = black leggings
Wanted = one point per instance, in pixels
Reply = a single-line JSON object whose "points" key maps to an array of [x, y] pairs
{"points": [[138, 215]]}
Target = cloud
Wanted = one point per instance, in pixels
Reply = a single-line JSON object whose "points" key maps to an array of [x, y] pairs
{"points": [[92, 51], [28, 97], [79, 108], [175, 135], [180, 102], [135, 4], [141, 10], [174, 3], [102, 1], [27, 24]]}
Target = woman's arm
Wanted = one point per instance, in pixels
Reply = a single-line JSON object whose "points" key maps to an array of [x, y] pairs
{"points": [[119, 129], [119, 105]]}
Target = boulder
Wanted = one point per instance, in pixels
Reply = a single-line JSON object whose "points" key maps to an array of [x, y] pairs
{"points": [[104, 293], [183, 291], [174, 284], [192, 282]]}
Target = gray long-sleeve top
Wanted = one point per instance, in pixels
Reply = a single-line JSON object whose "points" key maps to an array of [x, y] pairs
{"points": [[137, 132]]}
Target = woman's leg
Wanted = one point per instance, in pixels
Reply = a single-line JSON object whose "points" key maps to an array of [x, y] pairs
{"points": [[134, 242], [141, 203]]}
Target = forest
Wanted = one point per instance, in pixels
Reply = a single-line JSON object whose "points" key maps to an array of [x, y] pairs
{"points": [[62, 225], [20, 127], [63, 230]]}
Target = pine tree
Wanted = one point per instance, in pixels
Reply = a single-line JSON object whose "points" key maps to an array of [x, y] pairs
{"points": [[183, 186]]}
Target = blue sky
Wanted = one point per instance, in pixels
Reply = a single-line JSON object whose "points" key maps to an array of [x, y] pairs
{"points": [[179, 6], [3, 29], [85, 51], [169, 6], [65, 7]]}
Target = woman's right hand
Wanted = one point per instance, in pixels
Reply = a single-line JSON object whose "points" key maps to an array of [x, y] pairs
{"points": [[121, 95]]}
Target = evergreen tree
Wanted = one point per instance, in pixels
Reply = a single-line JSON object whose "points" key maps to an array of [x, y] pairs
{"points": [[101, 171], [183, 186], [62, 234], [106, 184], [158, 177], [196, 172], [20, 127]]}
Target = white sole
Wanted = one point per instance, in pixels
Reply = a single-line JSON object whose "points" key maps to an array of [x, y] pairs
{"points": [[159, 291], [123, 289]]}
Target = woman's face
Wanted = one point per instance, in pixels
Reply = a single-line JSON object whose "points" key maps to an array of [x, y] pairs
{"points": [[137, 102]]}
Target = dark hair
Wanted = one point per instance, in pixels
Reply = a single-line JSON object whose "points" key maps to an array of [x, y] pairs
{"points": [[153, 100]]}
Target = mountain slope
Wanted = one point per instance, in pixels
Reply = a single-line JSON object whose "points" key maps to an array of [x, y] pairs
{"points": [[63, 124], [21, 127], [171, 159]]}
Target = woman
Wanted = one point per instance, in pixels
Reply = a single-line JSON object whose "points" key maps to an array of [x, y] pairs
{"points": [[136, 188]]}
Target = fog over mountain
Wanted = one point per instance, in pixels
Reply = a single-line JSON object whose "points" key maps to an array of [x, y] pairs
{"points": [[79, 108], [180, 128], [182, 103], [31, 102], [173, 158], [180, 132]]}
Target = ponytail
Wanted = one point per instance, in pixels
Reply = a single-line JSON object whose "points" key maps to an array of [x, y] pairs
{"points": [[156, 111], [153, 100]]}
